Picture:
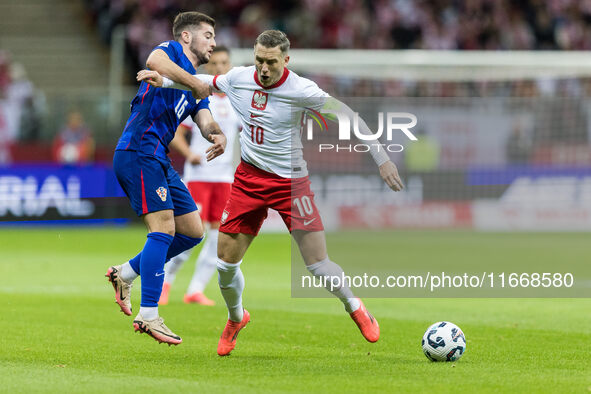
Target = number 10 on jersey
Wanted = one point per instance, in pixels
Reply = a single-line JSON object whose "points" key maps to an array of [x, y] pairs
{"points": [[257, 134]]}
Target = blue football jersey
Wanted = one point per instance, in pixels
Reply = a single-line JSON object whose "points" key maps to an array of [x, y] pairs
{"points": [[156, 112]]}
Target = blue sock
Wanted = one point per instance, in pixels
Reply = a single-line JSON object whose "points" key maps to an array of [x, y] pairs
{"points": [[180, 243], [135, 263], [152, 261]]}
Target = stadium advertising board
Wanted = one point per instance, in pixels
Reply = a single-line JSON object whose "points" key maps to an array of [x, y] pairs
{"points": [[52, 192]]}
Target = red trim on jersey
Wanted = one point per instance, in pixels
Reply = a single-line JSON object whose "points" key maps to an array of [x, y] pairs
{"points": [[151, 124], [144, 203], [156, 147], [276, 84], [215, 84], [144, 95], [128, 123]]}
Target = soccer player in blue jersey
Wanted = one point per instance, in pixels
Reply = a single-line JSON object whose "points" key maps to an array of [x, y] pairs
{"points": [[143, 168]]}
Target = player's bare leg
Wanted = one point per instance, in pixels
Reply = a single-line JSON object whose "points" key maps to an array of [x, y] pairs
{"points": [[231, 250], [189, 224], [312, 246]]}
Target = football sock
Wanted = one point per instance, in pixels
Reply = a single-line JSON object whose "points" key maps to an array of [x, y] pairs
{"points": [[152, 261], [206, 263], [135, 263], [334, 272], [149, 313], [180, 243], [128, 274], [173, 266], [231, 283]]}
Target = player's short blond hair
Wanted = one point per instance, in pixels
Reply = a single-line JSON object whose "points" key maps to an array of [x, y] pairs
{"points": [[188, 19], [272, 39]]}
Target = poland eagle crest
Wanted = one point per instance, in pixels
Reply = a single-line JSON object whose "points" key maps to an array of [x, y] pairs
{"points": [[259, 100]]}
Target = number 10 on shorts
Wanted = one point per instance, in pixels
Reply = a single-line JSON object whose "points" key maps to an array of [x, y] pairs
{"points": [[304, 205]]}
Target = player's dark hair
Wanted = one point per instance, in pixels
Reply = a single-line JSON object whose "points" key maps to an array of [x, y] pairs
{"points": [[221, 48], [186, 19], [272, 39]]}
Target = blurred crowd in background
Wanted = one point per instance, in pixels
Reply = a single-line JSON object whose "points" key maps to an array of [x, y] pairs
{"points": [[375, 24], [332, 24]]}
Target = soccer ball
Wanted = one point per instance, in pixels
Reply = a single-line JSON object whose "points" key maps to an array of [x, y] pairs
{"points": [[444, 341]]}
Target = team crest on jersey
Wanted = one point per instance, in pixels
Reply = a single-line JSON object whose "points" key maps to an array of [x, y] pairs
{"points": [[161, 191], [224, 217], [259, 100]]}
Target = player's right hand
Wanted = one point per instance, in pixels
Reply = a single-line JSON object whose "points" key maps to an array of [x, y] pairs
{"points": [[218, 147], [389, 174], [151, 77]]}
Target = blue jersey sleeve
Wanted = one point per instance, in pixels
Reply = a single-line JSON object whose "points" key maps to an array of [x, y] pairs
{"points": [[203, 104], [173, 49]]}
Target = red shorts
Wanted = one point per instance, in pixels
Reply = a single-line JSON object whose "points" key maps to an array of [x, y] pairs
{"points": [[211, 198], [255, 190]]}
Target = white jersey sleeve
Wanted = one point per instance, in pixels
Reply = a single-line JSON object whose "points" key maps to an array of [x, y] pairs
{"points": [[312, 96], [224, 82]]}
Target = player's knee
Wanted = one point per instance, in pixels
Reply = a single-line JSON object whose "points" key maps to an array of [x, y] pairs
{"points": [[199, 233], [161, 222], [167, 227], [227, 254], [223, 255]]}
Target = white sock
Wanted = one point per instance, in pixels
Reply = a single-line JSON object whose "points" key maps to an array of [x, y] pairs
{"points": [[206, 263], [328, 268], [231, 283], [127, 273], [149, 313], [174, 265]]}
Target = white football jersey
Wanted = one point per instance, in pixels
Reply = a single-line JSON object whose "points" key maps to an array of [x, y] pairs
{"points": [[220, 169], [270, 117]]}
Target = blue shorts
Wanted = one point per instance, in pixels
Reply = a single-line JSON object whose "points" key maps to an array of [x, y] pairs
{"points": [[151, 185]]}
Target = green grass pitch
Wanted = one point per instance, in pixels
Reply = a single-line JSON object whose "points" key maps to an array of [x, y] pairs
{"points": [[62, 332]]}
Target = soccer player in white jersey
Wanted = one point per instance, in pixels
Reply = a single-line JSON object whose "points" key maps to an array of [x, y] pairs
{"points": [[209, 183], [268, 99]]}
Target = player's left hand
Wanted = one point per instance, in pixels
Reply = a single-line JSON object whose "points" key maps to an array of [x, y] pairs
{"points": [[218, 147], [151, 77], [389, 174]]}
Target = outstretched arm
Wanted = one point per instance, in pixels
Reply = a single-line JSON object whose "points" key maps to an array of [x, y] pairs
{"points": [[160, 62], [210, 130], [332, 109], [158, 81]]}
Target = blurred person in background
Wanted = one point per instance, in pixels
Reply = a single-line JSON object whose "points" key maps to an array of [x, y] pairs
{"points": [[6, 135], [209, 183], [27, 103], [423, 154], [519, 142], [74, 144]]}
